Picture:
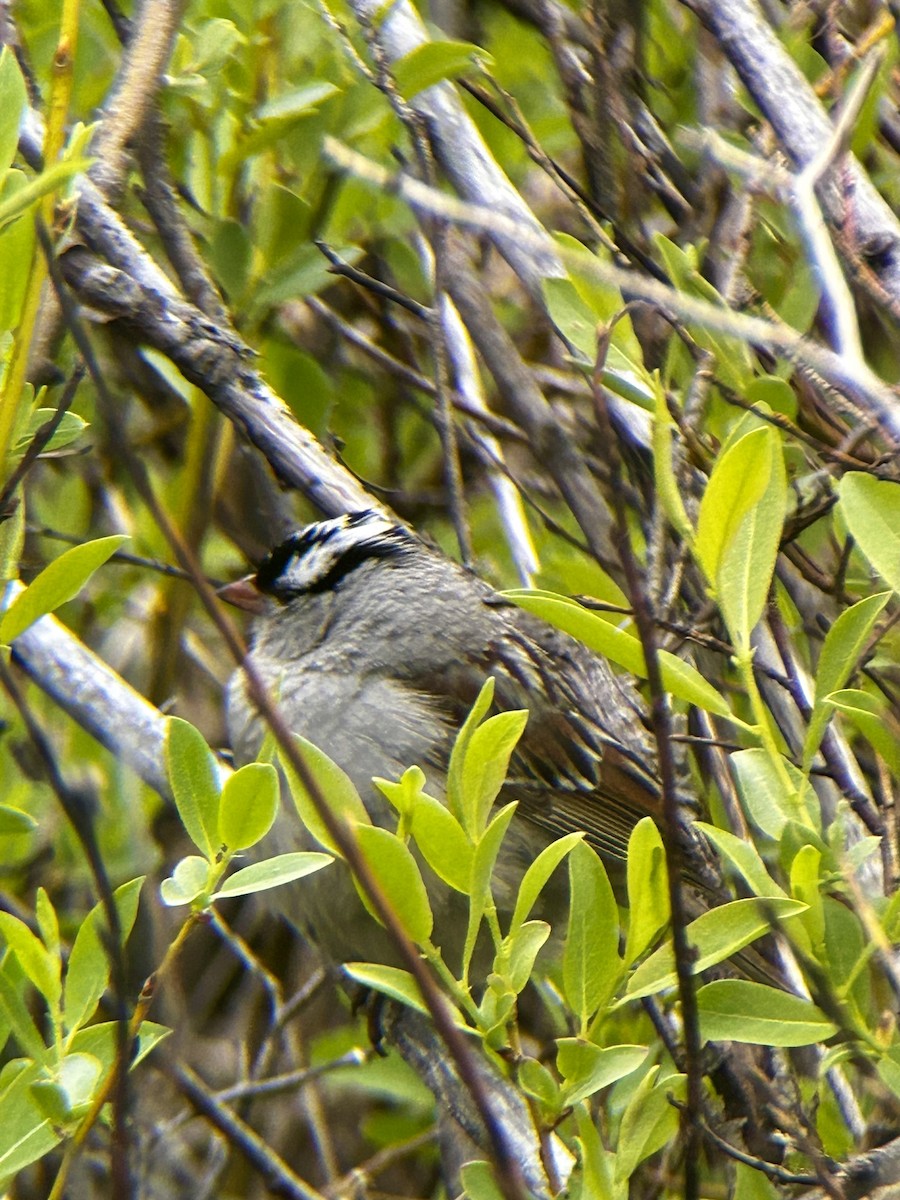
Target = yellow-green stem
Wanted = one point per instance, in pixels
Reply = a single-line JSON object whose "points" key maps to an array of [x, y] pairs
{"points": [[54, 138], [134, 1025]]}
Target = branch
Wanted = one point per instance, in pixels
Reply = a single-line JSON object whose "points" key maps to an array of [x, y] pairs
{"points": [[868, 228]]}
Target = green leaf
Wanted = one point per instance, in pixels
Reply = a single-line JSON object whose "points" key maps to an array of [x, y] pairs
{"points": [[487, 850], [479, 889], [535, 1080], [649, 1121], [736, 1010], [535, 878], [195, 785], [738, 481], [399, 985], [742, 856], [521, 949], [586, 1068], [486, 764], [69, 429], [431, 62], [20, 199], [248, 806], [667, 488], [57, 583], [14, 821], [841, 649], [572, 315], [872, 718], [15, 1010], [714, 936], [460, 747], [404, 794], [189, 880], [679, 678], [871, 508], [297, 102], [739, 527], [648, 889], [591, 963], [479, 1181], [42, 968], [763, 794], [12, 101], [335, 788], [102, 1041], [734, 363], [443, 842], [748, 560], [272, 872], [25, 1135], [806, 888], [87, 973], [391, 862], [47, 921], [69, 1095], [390, 981]]}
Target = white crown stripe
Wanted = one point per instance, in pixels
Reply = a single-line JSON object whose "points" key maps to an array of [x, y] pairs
{"points": [[311, 555]]}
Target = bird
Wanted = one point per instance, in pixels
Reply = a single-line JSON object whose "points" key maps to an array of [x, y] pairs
{"points": [[375, 645]]}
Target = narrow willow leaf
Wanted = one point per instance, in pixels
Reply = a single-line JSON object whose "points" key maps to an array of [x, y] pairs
{"points": [[679, 678], [715, 936], [56, 584], [737, 1010], [335, 787], [648, 889], [15, 1011], [12, 100], [841, 649], [195, 785], [399, 985], [14, 821], [486, 764], [390, 981], [522, 948], [591, 963], [737, 483], [535, 878], [667, 488], [872, 717], [649, 1121], [43, 969], [767, 803], [87, 972], [391, 862], [586, 1068], [461, 745], [742, 857], [272, 872], [871, 508], [747, 562], [432, 62], [443, 842]]}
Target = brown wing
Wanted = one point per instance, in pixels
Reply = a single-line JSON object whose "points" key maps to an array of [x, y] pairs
{"points": [[585, 761]]}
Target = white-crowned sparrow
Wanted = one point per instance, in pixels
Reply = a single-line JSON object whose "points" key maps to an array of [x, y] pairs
{"points": [[376, 646]]}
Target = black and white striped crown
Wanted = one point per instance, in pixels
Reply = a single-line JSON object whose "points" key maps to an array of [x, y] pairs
{"points": [[317, 558]]}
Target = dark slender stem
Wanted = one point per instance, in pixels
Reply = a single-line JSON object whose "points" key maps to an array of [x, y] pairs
{"points": [[662, 731]]}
